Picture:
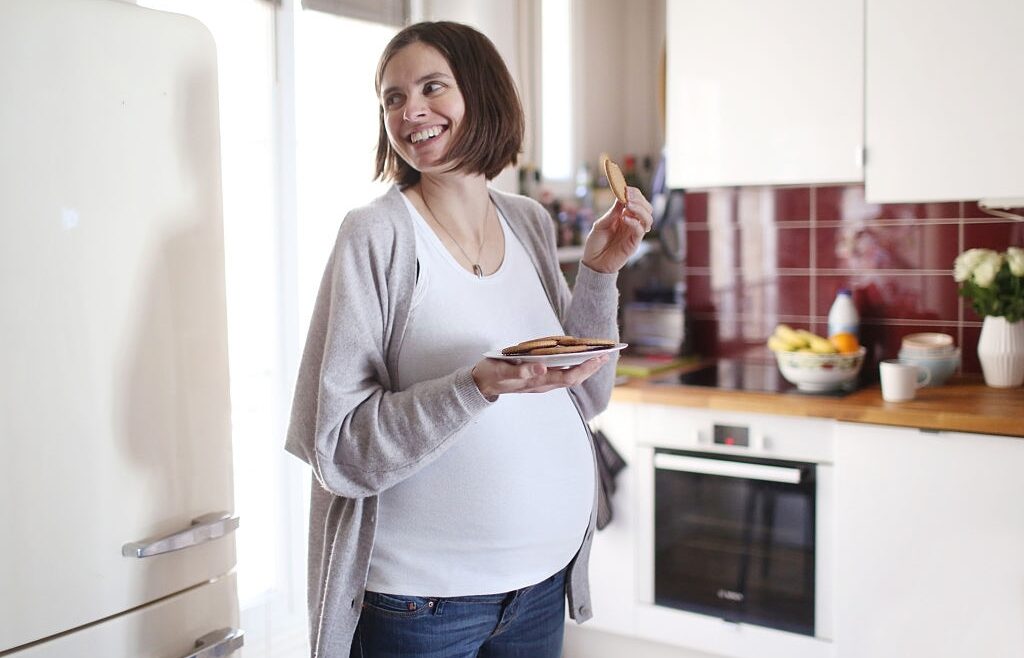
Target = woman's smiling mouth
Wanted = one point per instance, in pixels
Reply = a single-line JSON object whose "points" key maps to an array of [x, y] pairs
{"points": [[426, 133]]}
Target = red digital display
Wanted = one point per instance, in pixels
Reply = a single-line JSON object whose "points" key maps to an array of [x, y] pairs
{"points": [[731, 435]]}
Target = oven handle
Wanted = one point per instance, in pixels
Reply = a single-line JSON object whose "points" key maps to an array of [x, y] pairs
{"points": [[725, 468]]}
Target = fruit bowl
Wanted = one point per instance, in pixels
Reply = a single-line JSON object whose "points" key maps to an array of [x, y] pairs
{"points": [[817, 373]]}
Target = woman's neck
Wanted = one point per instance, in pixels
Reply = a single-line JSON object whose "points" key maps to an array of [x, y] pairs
{"points": [[463, 199], [458, 208]]}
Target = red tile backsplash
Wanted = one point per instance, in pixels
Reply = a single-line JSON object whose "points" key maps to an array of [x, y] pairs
{"points": [[792, 204], [757, 256], [793, 248], [698, 245], [903, 246], [993, 235]]}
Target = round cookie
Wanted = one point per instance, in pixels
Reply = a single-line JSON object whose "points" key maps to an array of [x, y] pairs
{"points": [[558, 349], [561, 339], [526, 346], [590, 342], [616, 180]]}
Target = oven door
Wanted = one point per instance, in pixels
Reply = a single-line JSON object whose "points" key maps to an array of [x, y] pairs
{"points": [[734, 537]]}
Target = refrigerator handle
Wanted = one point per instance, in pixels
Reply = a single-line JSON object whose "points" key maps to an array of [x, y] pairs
{"points": [[220, 643], [203, 529]]}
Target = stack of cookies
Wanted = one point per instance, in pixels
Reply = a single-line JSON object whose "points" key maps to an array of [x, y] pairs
{"points": [[557, 345]]}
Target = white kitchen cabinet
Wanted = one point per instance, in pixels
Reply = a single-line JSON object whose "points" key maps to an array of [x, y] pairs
{"points": [[764, 93], [930, 538], [612, 577], [943, 96]]}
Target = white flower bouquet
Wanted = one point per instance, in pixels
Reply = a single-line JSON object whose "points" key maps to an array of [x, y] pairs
{"points": [[992, 281]]}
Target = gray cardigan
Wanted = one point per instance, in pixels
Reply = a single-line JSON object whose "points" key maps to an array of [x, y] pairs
{"points": [[361, 432]]}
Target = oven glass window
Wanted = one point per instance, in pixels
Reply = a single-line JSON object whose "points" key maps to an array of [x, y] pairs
{"points": [[734, 538]]}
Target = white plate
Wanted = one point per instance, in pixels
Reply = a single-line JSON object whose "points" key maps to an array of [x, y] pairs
{"points": [[555, 360]]}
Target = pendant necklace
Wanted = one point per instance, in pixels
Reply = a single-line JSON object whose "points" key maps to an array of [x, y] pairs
{"points": [[477, 270]]}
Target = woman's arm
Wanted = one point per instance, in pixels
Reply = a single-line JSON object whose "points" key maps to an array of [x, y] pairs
{"points": [[359, 436], [593, 308]]}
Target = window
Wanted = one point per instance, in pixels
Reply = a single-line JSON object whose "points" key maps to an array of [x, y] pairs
{"points": [[336, 133], [298, 133], [556, 90]]}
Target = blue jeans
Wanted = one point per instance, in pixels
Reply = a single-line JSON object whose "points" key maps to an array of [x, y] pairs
{"points": [[525, 623]]}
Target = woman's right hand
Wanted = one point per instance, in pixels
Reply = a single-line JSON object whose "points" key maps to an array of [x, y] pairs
{"points": [[495, 377]]}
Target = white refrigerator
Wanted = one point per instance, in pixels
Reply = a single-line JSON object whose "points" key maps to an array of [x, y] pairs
{"points": [[116, 505]]}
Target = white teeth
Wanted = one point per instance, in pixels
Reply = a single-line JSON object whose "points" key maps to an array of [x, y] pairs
{"points": [[425, 134]]}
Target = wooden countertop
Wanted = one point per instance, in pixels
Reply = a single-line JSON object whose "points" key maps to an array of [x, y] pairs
{"points": [[963, 404]]}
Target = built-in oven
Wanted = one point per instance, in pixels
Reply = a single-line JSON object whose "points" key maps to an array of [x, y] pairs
{"points": [[742, 547], [736, 527]]}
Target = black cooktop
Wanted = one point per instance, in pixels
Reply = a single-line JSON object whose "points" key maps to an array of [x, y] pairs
{"points": [[742, 375]]}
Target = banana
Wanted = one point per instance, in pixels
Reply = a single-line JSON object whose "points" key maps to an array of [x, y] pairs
{"points": [[776, 344], [787, 335], [817, 344]]}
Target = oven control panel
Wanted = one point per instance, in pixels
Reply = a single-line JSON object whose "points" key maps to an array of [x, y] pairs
{"points": [[731, 435], [728, 432]]}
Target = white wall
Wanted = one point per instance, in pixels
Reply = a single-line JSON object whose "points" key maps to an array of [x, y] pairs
{"points": [[498, 20], [619, 45], [618, 53]]}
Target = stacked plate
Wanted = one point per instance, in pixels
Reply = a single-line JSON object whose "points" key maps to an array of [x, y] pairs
{"points": [[934, 352]]}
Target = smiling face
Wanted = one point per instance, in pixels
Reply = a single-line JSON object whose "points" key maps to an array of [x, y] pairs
{"points": [[421, 105], [447, 88]]}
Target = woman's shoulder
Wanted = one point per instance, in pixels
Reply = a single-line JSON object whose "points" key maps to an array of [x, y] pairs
{"points": [[527, 217], [519, 205], [383, 220]]}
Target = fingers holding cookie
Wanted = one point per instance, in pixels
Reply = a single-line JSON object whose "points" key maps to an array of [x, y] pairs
{"points": [[640, 209], [617, 235]]}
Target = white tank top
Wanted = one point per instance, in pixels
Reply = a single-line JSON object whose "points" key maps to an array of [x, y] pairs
{"points": [[508, 503]]}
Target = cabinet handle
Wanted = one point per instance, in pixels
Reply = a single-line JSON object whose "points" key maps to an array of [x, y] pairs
{"points": [[203, 529], [224, 642], [727, 468]]}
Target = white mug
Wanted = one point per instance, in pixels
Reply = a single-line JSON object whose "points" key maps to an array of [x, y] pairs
{"points": [[900, 380]]}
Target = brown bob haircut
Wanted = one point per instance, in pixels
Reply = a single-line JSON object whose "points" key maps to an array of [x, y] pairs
{"points": [[491, 134]]}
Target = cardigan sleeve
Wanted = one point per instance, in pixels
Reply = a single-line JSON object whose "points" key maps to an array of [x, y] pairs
{"points": [[593, 311], [359, 436], [590, 309]]}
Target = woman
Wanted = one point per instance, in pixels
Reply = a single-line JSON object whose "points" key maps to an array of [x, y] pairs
{"points": [[451, 513]]}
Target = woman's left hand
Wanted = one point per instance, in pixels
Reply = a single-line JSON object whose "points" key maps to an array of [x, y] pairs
{"points": [[617, 235]]}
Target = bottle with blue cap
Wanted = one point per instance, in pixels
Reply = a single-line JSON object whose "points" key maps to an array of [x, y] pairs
{"points": [[843, 316]]}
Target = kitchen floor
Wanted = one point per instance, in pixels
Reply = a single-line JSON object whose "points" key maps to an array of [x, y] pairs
{"points": [[581, 642]]}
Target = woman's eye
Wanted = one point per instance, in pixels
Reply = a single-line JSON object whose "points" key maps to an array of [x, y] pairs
{"points": [[392, 100], [432, 87]]}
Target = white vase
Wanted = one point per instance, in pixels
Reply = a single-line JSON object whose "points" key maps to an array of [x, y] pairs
{"points": [[1001, 352]]}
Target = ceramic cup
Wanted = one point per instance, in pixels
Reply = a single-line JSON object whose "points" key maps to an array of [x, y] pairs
{"points": [[900, 380]]}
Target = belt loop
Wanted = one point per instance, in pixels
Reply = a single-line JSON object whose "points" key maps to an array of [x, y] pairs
{"points": [[437, 605]]}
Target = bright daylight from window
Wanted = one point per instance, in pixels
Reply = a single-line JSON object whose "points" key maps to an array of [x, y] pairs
{"points": [[330, 147]]}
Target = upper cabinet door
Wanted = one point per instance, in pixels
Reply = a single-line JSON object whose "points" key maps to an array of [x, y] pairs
{"points": [[944, 92], [764, 92]]}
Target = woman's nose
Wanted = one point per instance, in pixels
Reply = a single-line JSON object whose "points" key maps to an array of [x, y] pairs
{"points": [[415, 109]]}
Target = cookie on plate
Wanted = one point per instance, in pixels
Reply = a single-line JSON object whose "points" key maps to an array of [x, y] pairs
{"points": [[526, 346], [559, 349], [590, 342]]}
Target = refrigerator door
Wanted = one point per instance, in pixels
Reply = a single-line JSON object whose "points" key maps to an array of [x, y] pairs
{"points": [[114, 408], [168, 628]]}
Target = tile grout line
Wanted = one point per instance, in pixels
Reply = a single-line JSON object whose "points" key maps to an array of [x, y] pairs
{"points": [[959, 299], [813, 238]]}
